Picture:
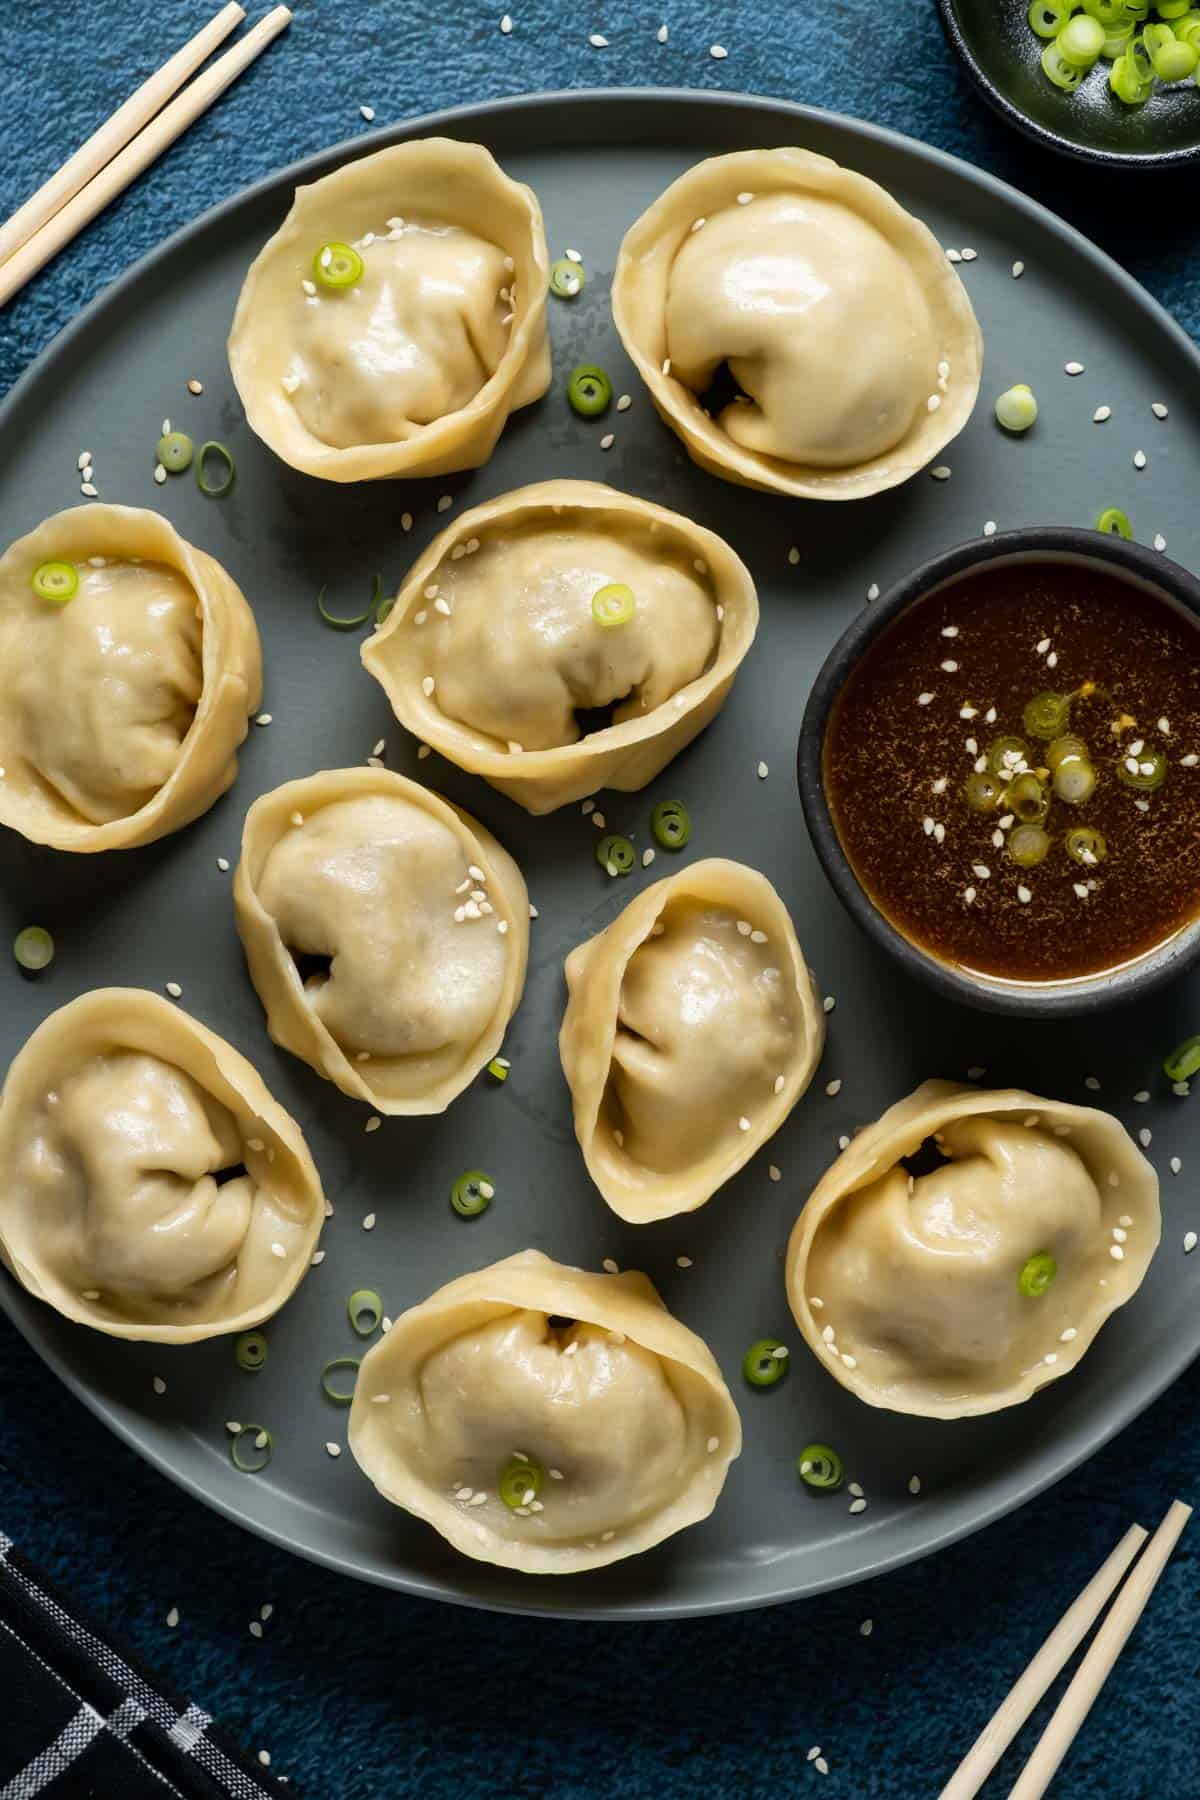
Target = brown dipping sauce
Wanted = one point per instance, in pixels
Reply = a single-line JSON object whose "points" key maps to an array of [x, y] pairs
{"points": [[895, 770]]}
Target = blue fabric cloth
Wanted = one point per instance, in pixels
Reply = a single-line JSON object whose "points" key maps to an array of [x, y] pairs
{"points": [[362, 1694]]}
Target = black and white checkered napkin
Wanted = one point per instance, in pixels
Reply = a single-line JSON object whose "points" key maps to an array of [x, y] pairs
{"points": [[80, 1719]]}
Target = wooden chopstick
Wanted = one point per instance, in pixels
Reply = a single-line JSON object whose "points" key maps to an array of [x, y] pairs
{"points": [[1050, 1660], [116, 132], [137, 156], [1101, 1657]]}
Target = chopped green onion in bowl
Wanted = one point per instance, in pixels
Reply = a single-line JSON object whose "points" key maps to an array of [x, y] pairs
{"points": [[820, 1467], [33, 948]]}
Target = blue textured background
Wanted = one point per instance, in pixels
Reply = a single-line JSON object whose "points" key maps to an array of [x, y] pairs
{"points": [[358, 1693]]}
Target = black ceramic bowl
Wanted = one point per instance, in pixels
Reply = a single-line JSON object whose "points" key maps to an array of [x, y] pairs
{"points": [[1002, 56], [1146, 569]]}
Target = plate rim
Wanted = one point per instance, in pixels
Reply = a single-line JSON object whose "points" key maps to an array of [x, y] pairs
{"points": [[1012, 1489]]}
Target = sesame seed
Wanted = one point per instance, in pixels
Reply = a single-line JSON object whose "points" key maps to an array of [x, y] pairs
{"points": [[976, 1072], [373, 1123], [427, 685], [743, 1123], [1176, 1165], [173, 1617], [88, 490], [608, 440], [1024, 895], [914, 1484], [506, 25], [813, 1753], [1160, 542], [855, 1488], [1139, 459], [1091, 1081], [598, 41], [368, 1223], [1018, 269], [159, 1385], [1144, 1136], [609, 1266], [160, 474], [317, 1258], [774, 1173], [866, 1628], [941, 473], [1073, 368], [1102, 415], [263, 719], [368, 113], [683, 1262], [856, 1506], [1158, 409], [174, 989], [954, 256], [1116, 1252], [256, 1629], [1189, 1242], [969, 895], [924, 699], [1050, 1357], [718, 52], [833, 1088], [278, 1250]]}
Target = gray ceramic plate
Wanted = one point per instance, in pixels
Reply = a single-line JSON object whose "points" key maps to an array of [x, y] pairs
{"points": [[164, 913]]}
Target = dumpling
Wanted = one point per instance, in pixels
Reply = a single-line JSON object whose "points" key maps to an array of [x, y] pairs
{"points": [[124, 699], [498, 654], [796, 327], [966, 1287], [150, 1187], [386, 932], [602, 1420], [397, 317], [692, 1028]]}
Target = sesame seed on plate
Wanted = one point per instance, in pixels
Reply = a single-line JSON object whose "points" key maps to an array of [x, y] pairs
{"points": [[1144, 1137], [506, 24], [683, 1262], [1176, 1165], [718, 52], [833, 1088], [1073, 368], [256, 1629], [173, 1617], [373, 1123], [608, 440], [160, 474], [89, 490], [857, 1506], [368, 113], [866, 1628], [662, 34], [774, 1173], [1160, 542], [174, 989], [1024, 895], [368, 1223], [941, 473], [1158, 409], [264, 719], [914, 1484], [598, 41], [873, 591], [813, 1753], [1102, 415], [1139, 459], [159, 1385], [609, 1266], [1189, 1242], [333, 1449], [1018, 269], [954, 256], [624, 403]]}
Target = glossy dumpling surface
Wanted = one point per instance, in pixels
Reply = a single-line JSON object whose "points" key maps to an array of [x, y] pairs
{"points": [[149, 1185], [414, 367], [692, 1028], [386, 932], [492, 652], [120, 711], [907, 1285], [622, 1409], [847, 343]]}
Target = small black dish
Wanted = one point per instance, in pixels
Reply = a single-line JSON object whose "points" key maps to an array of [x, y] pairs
{"points": [[1079, 994], [1002, 56]]}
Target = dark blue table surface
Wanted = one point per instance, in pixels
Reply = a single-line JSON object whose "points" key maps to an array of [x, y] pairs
{"points": [[358, 1693]]}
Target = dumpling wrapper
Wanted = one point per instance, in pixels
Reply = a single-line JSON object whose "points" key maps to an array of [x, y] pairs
{"points": [[519, 653], [114, 1119], [416, 1000], [918, 1277], [852, 339], [636, 1419], [415, 369], [121, 712], [686, 1048]]}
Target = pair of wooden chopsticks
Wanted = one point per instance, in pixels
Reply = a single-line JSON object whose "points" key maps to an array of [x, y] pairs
{"points": [[127, 144], [1056, 1652]]}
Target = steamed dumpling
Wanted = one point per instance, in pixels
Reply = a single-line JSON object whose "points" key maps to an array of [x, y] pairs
{"points": [[617, 1411], [149, 1185], [840, 347], [492, 652], [909, 1286], [692, 1028], [386, 932], [414, 366], [121, 710]]}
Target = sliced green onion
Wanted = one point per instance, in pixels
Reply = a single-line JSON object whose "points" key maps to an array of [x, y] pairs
{"points": [[520, 1481], [332, 1392], [819, 1466], [1028, 846], [365, 1310], [250, 1349], [1084, 844], [57, 582], [1016, 407], [472, 1194], [353, 624], [337, 265], [1063, 748], [762, 1364], [1037, 1274], [498, 1068], [613, 604], [1150, 772], [34, 948], [1027, 797], [1137, 10], [671, 824], [616, 855], [261, 1444], [1074, 780], [1106, 12], [1187, 30], [1047, 715], [383, 610], [982, 791], [1048, 17], [1174, 60], [1172, 9], [567, 278], [1184, 1060], [1004, 754], [589, 391], [174, 451], [1117, 40], [1115, 522], [1125, 83], [213, 448], [1081, 41], [1062, 73]]}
